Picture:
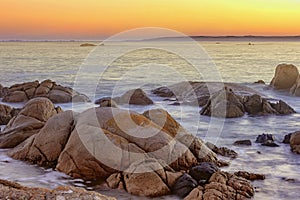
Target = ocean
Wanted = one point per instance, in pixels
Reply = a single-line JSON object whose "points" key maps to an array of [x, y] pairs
{"points": [[132, 66]]}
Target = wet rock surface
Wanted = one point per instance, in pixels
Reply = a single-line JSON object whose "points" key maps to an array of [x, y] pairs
{"points": [[223, 151], [243, 142], [250, 176], [15, 191]]}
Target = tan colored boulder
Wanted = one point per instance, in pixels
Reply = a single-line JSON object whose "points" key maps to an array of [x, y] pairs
{"points": [[106, 102], [295, 89], [23, 86], [15, 191], [95, 153], [59, 96], [285, 76], [28, 122], [134, 97], [45, 147], [15, 96], [42, 91], [175, 130], [150, 137], [295, 142], [146, 178]]}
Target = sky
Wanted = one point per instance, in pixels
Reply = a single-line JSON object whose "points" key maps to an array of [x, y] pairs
{"points": [[97, 19]]}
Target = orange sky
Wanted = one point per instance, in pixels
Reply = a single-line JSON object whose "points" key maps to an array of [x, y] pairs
{"points": [[95, 19]]}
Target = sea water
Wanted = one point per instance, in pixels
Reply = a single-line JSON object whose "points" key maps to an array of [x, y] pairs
{"points": [[236, 62]]}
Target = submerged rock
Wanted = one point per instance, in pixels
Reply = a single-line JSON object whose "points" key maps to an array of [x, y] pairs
{"points": [[14, 191], [134, 97], [285, 76], [28, 122], [48, 89], [250, 176], [223, 151], [106, 102], [243, 142], [87, 45], [266, 140]]}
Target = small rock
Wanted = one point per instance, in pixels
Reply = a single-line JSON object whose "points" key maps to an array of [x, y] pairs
{"points": [[243, 142], [287, 138], [270, 143], [260, 82]]}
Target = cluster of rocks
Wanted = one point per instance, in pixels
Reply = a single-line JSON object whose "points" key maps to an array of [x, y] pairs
{"points": [[206, 181], [49, 89], [145, 154], [226, 103], [287, 78], [266, 140], [15, 191]]}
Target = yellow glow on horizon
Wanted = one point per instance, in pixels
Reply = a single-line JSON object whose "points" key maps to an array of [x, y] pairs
{"points": [[88, 18]]}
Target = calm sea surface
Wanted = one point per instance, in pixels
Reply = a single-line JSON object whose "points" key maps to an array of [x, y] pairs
{"points": [[70, 65]]}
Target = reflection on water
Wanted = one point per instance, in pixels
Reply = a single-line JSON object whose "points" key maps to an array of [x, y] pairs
{"points": [[237, 62]]}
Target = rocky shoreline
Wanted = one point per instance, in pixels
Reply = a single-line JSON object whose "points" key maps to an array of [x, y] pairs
{"points": [[145, 154]]}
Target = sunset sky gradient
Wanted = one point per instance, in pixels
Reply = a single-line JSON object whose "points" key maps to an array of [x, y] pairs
{"points": [[97, 19]]}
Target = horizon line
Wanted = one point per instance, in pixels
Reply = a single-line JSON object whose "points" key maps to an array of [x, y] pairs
{"points": [[154, 38]]}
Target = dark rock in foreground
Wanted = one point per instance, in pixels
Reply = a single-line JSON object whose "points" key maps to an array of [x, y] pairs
{"points": [[266, 140], [48, 89], [184, 185], [203, 172], [15, 191]]}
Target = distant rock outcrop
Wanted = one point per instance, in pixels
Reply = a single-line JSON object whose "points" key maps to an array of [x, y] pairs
{"points": [[87, 45], [48, 89]]}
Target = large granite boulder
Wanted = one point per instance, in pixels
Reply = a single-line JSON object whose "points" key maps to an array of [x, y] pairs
{"points": [[224, 103], [126, 137], [295, 142], [28, 122], [45, 147], [15, 191], [48, 89], [285, 76]]}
